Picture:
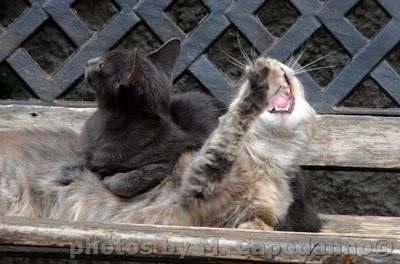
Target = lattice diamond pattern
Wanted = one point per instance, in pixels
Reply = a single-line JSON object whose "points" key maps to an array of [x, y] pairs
{"points": [[11, 10], [136, 35], [96, 13], [270, 14], [394, 58], [373, 60], [188, 19], [378, 98], [11, 86], [57, 51], [322, 57], [368, 17], [180, 86]]}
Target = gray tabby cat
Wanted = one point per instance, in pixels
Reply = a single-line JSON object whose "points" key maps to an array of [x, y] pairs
{"points": [[240, 178]]}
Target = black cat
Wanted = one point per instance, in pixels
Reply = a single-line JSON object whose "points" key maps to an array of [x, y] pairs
{"points": [[137, 134]]}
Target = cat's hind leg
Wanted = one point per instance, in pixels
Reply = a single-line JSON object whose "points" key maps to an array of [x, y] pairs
{"points": [[203, 181], [256, 224]]}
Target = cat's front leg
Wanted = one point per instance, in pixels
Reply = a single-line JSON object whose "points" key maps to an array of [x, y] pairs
{"points": [[102, 162], [202, 180], [131, 183]]}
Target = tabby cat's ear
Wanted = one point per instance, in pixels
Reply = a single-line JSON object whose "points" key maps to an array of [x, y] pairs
{"points": [[165, 57], [136, 75]]}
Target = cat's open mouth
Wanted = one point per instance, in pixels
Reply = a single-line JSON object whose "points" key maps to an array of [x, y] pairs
{"points": [[283, 100]]}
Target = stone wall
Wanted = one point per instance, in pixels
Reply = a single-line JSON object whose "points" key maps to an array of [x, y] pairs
{"points": [[344, 192]]}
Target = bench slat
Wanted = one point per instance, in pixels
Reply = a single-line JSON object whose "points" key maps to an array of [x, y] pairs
{"points": [[341, 141], [347, 224], [55, 238], [356, 142]]}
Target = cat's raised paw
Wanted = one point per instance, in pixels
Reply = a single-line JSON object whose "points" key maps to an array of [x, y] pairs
{"points": [[258, 74], [254, 95]]}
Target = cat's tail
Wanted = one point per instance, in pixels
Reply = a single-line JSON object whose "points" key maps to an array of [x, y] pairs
{"points": [[197, 114]]}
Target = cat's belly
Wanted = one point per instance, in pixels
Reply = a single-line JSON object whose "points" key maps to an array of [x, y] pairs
{"points": [[264, 200]]}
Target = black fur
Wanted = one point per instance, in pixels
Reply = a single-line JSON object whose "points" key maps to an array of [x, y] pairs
{"points": [[301, 216], [197, 114], [132, 141]]}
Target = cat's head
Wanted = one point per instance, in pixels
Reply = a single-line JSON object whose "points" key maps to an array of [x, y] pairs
{"points": [[287, 105], [133, 80]]}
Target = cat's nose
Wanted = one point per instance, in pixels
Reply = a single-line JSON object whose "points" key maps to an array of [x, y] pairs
{"points": [[93, 61]]}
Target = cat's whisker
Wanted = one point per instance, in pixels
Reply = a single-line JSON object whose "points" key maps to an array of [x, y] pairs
{"points": [[299, 57], [81, 94], [242, 51], [290, 65], [253, 50], [317, 68], [219, 109], [253, 54], [244, 54], [248, 60], [242, 65], [85, 90], [237, 65], [84, 94], [319, 59]]}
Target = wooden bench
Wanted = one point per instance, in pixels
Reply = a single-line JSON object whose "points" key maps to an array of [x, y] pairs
{"points": [[376, 140], [345, 142]]}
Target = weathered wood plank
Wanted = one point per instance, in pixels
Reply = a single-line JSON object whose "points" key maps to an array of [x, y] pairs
{"points": [[347, 224], [356, 141], [28, 116], [341, 141], [137, 242]]}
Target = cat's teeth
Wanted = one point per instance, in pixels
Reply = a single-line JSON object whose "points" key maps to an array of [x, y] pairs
{"points": [[281, 109]]}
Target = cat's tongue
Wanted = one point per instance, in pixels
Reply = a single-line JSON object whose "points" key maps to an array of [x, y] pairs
{"points": [[282, 101]]}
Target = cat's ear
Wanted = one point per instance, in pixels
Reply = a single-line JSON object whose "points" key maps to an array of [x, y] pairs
{"points": [[166, 55], [136, 75]]}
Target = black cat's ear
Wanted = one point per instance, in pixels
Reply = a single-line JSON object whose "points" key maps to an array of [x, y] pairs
{"points": [[136, 75], [166, 55]]}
